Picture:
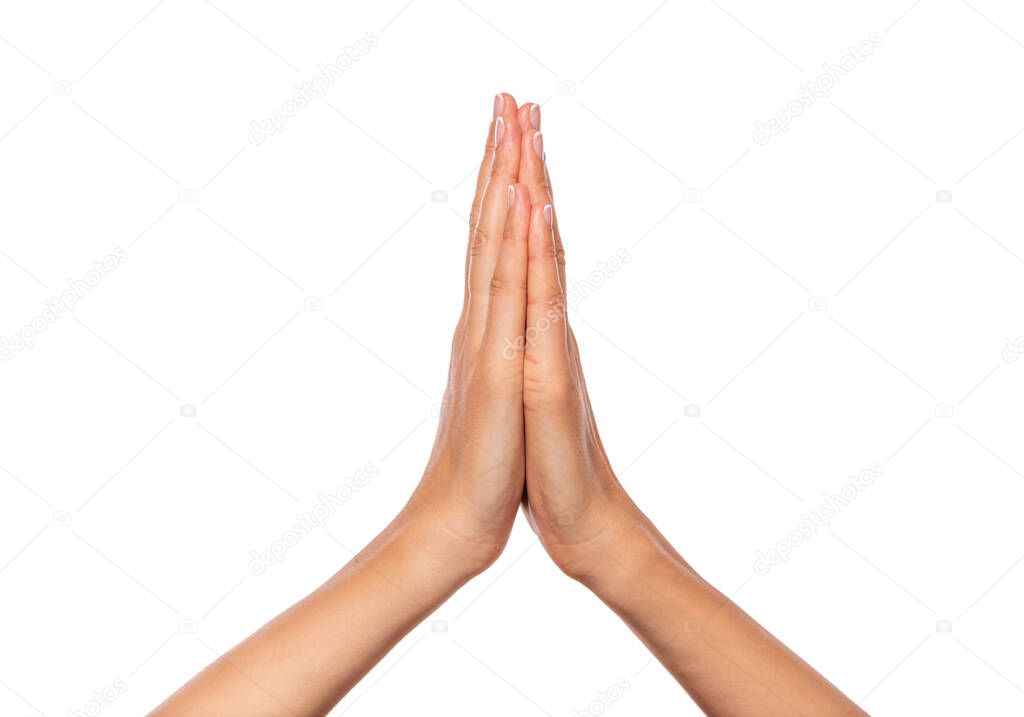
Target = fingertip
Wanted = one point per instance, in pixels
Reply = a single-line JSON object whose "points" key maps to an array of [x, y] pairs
{"points": [[510, 138], [529, 116], [505, 105]]}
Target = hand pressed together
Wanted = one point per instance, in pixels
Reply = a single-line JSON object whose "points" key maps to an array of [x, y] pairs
{"points": [[516, 430]]}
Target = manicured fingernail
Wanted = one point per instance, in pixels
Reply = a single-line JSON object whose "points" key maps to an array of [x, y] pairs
{"points": [[538, 145], [535, 115], [499, 103], [547, 214], [511, 195], [499, 130]]}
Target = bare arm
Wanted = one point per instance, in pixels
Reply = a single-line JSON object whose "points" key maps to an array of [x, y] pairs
{"points": [[729, 664], [455, 524], [310, 656]]}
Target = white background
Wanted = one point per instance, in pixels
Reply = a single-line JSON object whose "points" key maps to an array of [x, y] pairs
{"points": [[126, 529]]}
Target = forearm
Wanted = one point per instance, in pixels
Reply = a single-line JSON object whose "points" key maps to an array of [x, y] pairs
{"points": [[729, 664], [306, 659], [460, 516]]}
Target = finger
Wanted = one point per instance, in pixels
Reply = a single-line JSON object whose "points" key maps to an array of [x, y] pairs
{"points": [[533, 168], [529, 116], [506, 316], [546, 331], [481, 183], [531, 156], [485, 165], [485, 242]]}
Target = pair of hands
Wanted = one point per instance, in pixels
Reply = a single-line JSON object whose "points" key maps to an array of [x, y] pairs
{"points": [[516, 425], [516, 430]]}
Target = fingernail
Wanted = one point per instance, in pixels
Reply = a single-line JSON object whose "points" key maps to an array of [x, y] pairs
{"points": [[511, 195], [499, 103], [538, 145], [499, 130], [547, 214], [535, 115]]}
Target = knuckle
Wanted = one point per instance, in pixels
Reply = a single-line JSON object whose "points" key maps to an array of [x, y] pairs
{"points": [[545, 391], [477, 241], [552, 304], [502, 286], [550, 249], [497, 376], [510, 231], [474, 211], [476, 244], [503, 164]]}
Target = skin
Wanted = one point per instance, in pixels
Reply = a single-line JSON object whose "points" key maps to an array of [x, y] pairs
{"points": [[516, 429]]}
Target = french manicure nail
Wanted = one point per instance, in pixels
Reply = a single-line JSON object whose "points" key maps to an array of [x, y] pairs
{"points": [[538, 145], [535, 115], [499, 130], [547, 214], [511, 195], [499, 104]]}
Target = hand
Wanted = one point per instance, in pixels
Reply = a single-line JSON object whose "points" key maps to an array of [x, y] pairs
{"points": [[574, 501], [729, 664], [516, 426], [473, 483]]}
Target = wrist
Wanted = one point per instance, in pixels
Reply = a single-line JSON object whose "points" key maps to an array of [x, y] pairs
{"points": [[444, 548], [630, 551], [586, 542]]}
